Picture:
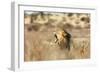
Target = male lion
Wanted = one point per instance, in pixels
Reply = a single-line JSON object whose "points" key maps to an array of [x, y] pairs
{"points": [[63, 39]]}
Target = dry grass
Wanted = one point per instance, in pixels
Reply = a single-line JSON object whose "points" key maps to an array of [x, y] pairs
{"points": [[40, 41], [81, 48], [41, 46]]}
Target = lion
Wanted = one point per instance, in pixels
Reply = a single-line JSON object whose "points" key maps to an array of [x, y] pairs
{"points": [[63, 39]]}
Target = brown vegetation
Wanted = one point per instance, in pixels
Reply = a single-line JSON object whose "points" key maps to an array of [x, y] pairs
{"points": [[40, 41]]}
